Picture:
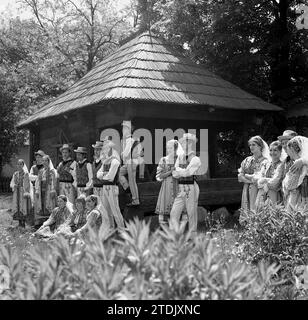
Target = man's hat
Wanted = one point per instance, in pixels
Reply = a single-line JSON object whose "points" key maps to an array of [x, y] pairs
{"points": [[81, 150], [188, 137], [98, 145], [65, 146], [287, 135], [40, 153]]}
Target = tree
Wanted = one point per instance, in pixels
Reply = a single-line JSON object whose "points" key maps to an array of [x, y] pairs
{"points": [[42, 56], [252, 43], [83, 31]]}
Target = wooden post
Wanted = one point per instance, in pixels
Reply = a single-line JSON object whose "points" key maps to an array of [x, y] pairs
{"points": [[34, 137]]}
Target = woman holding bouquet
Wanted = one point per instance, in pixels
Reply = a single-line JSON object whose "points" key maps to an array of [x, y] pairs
{"points": [[250, 167]]}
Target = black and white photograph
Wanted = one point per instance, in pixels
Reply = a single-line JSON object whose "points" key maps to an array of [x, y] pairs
{"points": [[153, 152]]}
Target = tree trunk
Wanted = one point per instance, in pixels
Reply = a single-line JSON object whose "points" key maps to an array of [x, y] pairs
{"points": [[280, 54]]}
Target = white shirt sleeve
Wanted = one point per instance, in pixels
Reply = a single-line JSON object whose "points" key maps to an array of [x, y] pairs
{"points": [[12, 184], [73, 172], [90, 175], [128, 146], [191, 169]]}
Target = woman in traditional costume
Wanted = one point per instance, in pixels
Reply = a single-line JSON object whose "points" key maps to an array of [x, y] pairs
{"points": [[269, 188], [58, 216], [96, 217], [251, 166], [76, 219], [295, 183], [22, 193], [45, 187], [108, 175], [169, 185]]}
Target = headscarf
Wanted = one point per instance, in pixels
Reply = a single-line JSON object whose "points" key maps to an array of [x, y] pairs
{"points": [[264, 146], [51, 167], [301, 144], [177, 146]]}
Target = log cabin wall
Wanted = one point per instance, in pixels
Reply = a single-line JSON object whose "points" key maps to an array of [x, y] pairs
{"points": [[83, 127]]}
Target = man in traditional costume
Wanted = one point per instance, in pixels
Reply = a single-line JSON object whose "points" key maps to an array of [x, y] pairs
{"points": [[82, 172], [108, 176], [66, 179], [131, 156], [186, 168], [34, 172]]}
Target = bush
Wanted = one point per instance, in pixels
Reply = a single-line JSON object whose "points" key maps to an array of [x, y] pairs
{"points": [[134, 265], [277, 236]]}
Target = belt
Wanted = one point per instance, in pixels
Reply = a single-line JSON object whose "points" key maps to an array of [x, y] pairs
{"points": [[66, 181], [108, 183], [98, 185], [81, 185], [187, 182]]}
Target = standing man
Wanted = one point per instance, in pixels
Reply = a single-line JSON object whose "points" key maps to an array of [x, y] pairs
{"points": [[33, 175], [82, 172], [66, 179], [108, 175], [131, 156], [186, 167]]}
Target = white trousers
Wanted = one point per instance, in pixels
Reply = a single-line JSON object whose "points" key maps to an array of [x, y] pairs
{"points": [[187, 197], [100, 193], [111, 204], [129, 169]]}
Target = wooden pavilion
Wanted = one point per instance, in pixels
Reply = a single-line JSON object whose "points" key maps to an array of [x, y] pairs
{"points": [[154, 85]]}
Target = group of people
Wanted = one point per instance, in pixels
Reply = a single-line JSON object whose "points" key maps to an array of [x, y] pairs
{"points": [[277, 173], [78, 195]]}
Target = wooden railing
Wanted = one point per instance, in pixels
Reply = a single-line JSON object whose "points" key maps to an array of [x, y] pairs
{"points": [[213, 192]]}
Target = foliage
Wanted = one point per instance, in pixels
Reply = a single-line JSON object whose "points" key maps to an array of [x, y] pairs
{"points": [[277, 236], [134, 265], [44, 54], [254, 44]]}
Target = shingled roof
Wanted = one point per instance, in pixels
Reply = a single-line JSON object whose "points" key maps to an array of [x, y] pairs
{"points": [[149, 69]]}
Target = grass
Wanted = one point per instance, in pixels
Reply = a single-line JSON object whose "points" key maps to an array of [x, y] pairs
{"points": [[139, 264]]}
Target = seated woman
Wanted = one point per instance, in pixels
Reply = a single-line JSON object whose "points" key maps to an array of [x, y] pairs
{"points": [[249, 167], [22, 191], [295, 183], [58, 216], [96, 217], [269, 188], [76, 220]]}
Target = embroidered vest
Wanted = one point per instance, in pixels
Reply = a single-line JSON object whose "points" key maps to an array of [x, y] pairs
{"points": [[82, 174], [97, 183], [186, 180], [106, 168], [64, 175]]}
